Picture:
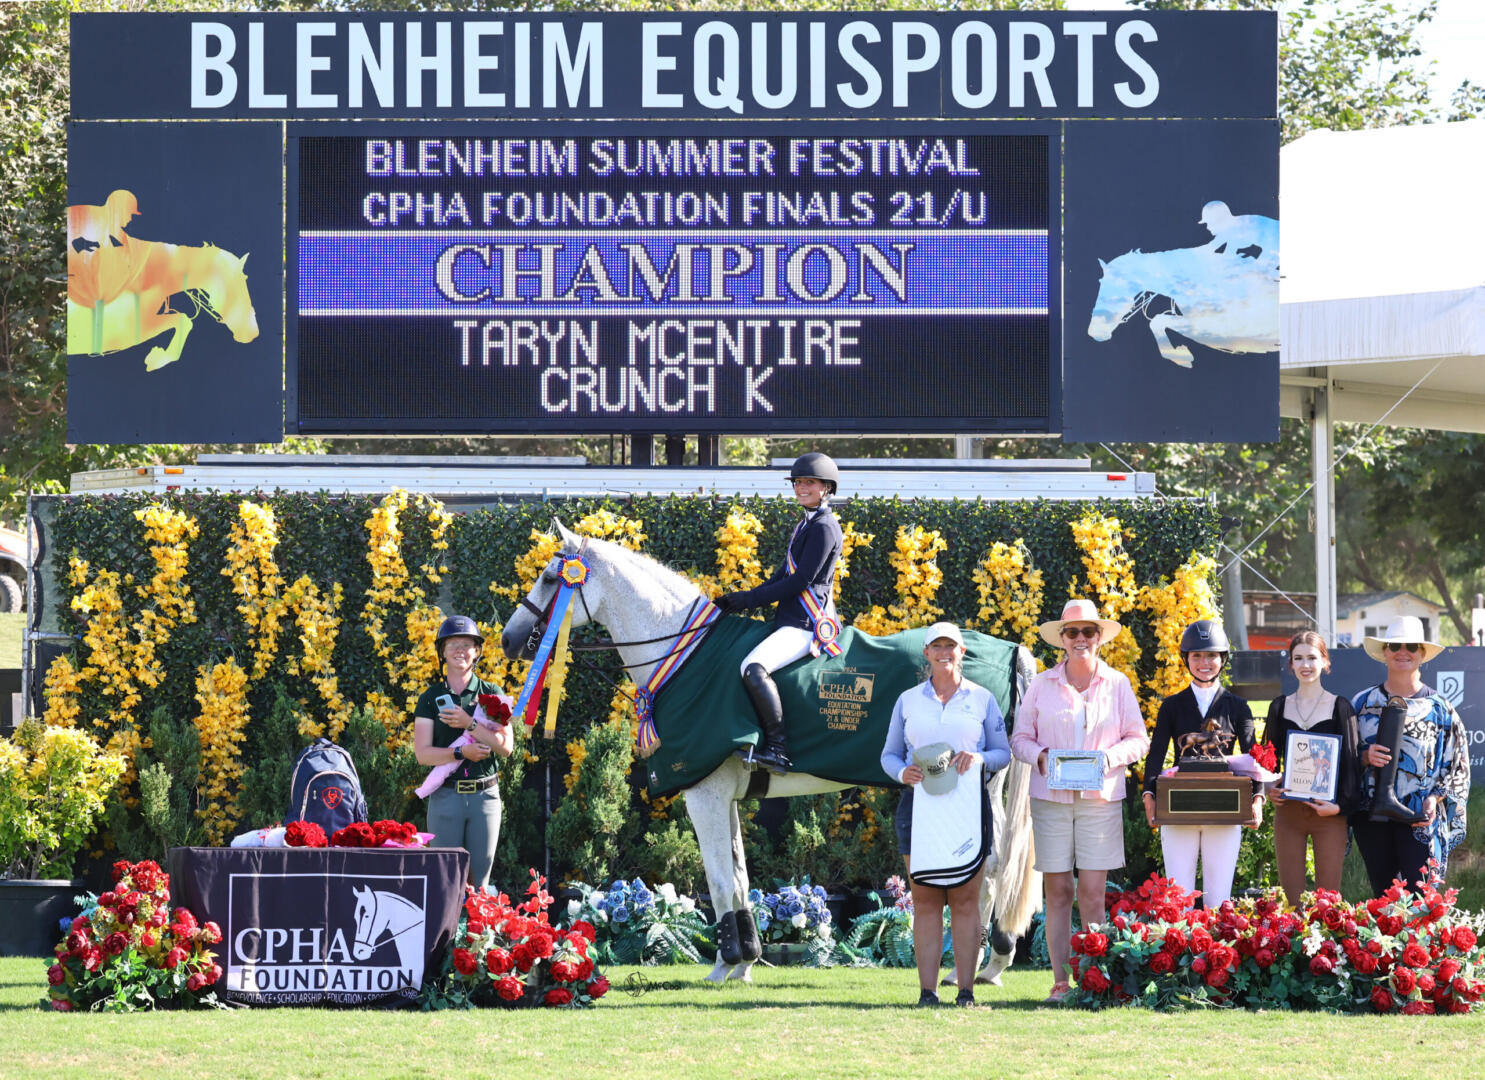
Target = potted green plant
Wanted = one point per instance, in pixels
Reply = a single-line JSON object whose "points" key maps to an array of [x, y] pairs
{"points": [[54, 782]]}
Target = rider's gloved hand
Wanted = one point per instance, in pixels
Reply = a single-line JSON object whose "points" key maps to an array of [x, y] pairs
{"points": [[730, 602]]}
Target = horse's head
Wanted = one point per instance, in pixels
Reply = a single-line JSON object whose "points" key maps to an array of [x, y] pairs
{"points": [[365, 918], [524, 629], [1117, 295], [227, 295]]}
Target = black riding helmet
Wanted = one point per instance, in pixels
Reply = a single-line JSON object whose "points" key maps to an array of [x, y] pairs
{"points": [[457, 626], [817, 466], [1204, 635]]}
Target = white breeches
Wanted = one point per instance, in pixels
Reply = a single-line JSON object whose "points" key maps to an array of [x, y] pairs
{"points": [[784, 646], [1216, 845]]}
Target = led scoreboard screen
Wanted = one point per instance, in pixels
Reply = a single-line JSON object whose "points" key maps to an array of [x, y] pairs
{"points": [[733, 277]]}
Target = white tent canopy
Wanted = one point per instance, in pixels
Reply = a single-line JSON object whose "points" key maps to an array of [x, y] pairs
{"points": [[1382, 291]]}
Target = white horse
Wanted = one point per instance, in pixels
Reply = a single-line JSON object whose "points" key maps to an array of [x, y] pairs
{"points": [[639, 600], [1224, 301]]}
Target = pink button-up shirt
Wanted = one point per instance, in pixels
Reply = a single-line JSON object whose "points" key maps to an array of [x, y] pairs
{"points": [[1048, 719]]}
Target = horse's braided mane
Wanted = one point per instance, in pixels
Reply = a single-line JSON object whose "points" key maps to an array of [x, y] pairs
{"points": [[673, 581]]}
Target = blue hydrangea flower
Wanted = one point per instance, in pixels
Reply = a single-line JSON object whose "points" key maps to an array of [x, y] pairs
{"points": [[65, 922], [755, 896]]}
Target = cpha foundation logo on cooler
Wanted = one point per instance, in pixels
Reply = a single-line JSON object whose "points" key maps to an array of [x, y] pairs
{"points": [[370, 946]]}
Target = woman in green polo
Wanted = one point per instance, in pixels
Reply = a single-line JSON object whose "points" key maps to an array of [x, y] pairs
{"points": [[465, 810]]}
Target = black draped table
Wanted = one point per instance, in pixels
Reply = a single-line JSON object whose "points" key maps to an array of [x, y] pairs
{"points": [[342, 926]]}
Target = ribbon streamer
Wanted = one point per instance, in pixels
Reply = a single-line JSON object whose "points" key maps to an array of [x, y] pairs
{"points": [[574, 572], [558, 676], [646, 738]]}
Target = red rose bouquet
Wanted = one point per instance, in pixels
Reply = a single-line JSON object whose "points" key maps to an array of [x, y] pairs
{"points": [[305, 834], [497, 708], [132, 951], [1264, 755], [511, 955], [357, 834]]}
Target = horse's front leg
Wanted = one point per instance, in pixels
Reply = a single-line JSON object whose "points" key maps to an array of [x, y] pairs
{"points": [[711, 808], [1160, 325], [166, 320], [748, 943]]}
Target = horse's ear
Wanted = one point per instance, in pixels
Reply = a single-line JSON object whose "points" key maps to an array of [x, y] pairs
{"points": [[243, 261], [1103, 266], [570, 540]]}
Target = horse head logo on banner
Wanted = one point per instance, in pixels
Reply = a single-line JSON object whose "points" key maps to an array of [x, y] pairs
{"points": [[386, 916]]}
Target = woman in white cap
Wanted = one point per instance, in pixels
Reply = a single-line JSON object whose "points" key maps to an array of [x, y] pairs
{"points": [[964, 718], [1204, 704], [1083, 705], [1419, 780]]}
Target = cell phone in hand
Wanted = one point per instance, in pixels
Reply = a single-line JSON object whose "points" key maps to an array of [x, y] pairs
{"points": [[444, 701]]}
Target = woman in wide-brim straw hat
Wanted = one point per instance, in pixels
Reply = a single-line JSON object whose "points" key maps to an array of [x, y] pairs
{"points": [[1079, 704], [1419, 780]]}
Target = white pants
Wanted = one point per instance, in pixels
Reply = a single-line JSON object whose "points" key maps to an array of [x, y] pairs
{"points": [[1217, 846], [784, 646]]}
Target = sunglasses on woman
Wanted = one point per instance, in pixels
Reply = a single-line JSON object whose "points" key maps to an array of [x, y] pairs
{"points": [[1399, 646], [1089, 632]]}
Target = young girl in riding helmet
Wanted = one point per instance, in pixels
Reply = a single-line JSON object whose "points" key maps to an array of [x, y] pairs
{"points": [[1204, 650], [804, 588]]}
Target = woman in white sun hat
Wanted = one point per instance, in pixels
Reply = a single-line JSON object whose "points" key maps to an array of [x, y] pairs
{"points": [[1080, 704], [1419, 776]]}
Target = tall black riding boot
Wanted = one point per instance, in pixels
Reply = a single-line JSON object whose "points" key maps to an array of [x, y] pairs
{"points": [[1385, 804], [774, 754]]}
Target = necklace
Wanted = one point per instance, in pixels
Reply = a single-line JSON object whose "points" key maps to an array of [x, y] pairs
{"points": [[1307, 720]]}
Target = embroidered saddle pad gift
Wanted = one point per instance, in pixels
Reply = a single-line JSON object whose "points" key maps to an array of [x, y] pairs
{"points": [[951, 832], [836, 708]]}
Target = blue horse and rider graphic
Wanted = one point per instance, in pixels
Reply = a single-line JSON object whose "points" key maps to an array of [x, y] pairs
{"points": [[1223, 295]]}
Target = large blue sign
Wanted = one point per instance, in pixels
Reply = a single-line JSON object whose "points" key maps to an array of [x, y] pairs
{"points": [[735, 283], [740, 223]]}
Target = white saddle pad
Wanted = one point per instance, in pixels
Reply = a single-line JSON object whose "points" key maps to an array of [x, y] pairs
{"points": [[950, 832]]}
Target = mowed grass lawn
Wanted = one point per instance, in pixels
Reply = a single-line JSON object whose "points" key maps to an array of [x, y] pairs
{"points": [[791, 1022]]}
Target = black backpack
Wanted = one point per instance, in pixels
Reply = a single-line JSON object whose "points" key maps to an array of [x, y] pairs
{"points": [[325, 788]]}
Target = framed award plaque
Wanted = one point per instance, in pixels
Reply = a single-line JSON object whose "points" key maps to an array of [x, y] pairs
{"points": [[1311, 763]]}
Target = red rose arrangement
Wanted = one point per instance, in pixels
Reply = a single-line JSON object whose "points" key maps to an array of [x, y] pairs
{"points": [[497, 708], [1264, 755], [377, 834], [1407, 951], [305, 834], [133, 951], [511, 955], [357, 834]]}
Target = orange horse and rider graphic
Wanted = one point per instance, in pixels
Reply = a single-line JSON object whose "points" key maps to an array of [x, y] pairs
{"points": [[120, 287]]}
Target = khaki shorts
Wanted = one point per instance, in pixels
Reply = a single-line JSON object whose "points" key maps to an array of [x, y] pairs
{"points": [[1086, 834]]}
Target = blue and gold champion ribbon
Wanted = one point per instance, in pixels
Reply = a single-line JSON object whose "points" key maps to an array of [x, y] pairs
{"points": [[574, 573], [646, 738], [826, 626]]}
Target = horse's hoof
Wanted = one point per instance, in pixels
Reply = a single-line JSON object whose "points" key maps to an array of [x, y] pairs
{"points": [[743, 973], [717, 976]]}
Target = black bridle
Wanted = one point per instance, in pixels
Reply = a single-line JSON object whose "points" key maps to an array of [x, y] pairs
{"points": [[543, 616]]}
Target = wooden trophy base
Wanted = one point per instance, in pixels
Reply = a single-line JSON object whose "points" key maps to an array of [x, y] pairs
{"points": [[1203, 798]]}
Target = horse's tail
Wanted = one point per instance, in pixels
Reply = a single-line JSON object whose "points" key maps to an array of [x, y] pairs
{"points": [[1016, 888]]}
